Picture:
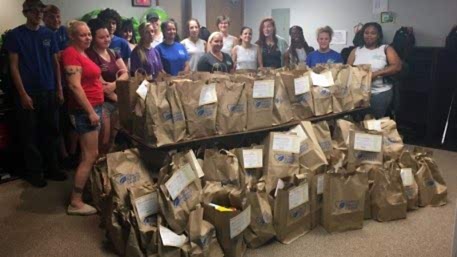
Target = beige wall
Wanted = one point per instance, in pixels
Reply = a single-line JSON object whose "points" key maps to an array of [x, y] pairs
{"points": [[11, 14]]}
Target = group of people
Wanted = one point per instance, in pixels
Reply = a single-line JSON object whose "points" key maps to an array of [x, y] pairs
{"points": [[79, 66]]}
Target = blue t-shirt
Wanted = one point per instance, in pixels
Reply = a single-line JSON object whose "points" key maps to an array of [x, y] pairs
{"points": [[62, 37], [317, 57], [174, 57], [120, 46], [35, 51]]}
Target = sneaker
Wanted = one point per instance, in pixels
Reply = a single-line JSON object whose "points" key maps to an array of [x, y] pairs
{"points": [[56, 176], [86, 210], [36, 180]]}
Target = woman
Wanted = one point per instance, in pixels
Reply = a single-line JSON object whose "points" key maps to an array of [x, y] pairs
{"points": [[145, 57], [173, 54], [194, 45], [127, 32], [246, 56], [272, 46], [299, 48], [324, 54], [215, 59], [384, 62], [85, 107], [229, 41], [113, 68]]}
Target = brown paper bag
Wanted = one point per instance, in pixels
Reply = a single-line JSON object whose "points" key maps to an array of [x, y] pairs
{"points": [[371, 153], [166, 248], [201, 119], [260, 110], [177, 113], [132, 244], [406, 163], [360, 85], [180, 191], [145, 205], [232, 107], [252, 166], [222, 166], [202, 235], [341, 134], [261, 229], [297, 84], [126, 98], [230, 225], [125, 170], [388, 201], [322, 92], [322, 132], [100, 188], [432, 188], [282, 108], [281, 158], [392, 141], [291, 211], [344, 199], [341, 93], [370, 170], [316, 192]]}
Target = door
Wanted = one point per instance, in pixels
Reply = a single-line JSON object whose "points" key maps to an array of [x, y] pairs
{"points": [[282, 20]]}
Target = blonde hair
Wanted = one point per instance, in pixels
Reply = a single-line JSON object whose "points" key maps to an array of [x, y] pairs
{"points": [[73, 26], [326, 29], [142, 52], [213, 35]]}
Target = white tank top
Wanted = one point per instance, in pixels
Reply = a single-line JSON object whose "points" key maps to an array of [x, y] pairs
{"points": [[378, 60], [246, 58], [301, 53], [228, 44], [195, 51]]}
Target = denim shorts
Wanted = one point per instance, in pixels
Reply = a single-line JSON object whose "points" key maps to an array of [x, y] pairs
{"points": [[80, 120], [109, 108]]}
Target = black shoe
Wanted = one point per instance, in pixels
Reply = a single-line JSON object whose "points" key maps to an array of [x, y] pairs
{"points": [[56, 176], [36, 180]]}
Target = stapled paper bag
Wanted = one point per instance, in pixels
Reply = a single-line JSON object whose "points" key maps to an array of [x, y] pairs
{"points": [[282, 108], [409, 167], [222, 166], [251, 161], [180, 191], [261, 229], [322, 132], [361, 85], [364, 148], [232, 107], [341, 92], [388, 200], [298, 86], [260, 94], [311, 154], [322, 81]]}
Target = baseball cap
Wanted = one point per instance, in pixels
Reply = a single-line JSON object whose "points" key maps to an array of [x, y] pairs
{"points": [[32, 4], [152, 16]]}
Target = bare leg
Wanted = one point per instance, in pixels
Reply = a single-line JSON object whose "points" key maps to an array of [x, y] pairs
{"points": [[105, 134], [89, 154]]}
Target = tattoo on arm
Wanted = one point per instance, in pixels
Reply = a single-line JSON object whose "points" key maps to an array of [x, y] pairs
{"points": [[72, 71], [78, 190]]}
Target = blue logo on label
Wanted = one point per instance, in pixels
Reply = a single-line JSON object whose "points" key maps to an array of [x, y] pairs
{"points": [[298, 213], [185, 195], [262, 103], [128, 178], [204, 111], [324, 92], [430, 183], [347, 204], [288, 159], [236, 108], [166, 116], [178, 116], [304, 147]]}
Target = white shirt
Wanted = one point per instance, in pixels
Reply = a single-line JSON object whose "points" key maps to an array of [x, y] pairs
{"points": [[195, 51], [301, 53], [378, 60], [246, 58], [228, 44], [157, 40]]}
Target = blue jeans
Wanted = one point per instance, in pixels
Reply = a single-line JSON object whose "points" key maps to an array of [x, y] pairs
{"points": [[81, 122], [380, 103]]}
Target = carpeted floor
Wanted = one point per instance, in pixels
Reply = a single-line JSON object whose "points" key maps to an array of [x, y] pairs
{"points": [[33, 223]]}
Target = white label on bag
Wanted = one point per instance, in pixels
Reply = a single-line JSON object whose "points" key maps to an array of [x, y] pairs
{"points": [[367, 142], [190, 157], [240, 222], [142, 90], [325, 79], [208, 95], [147, 205], [301, 85], [320, 184], [374, 125], [298, 196], [180, 180], [170, 238], [407, 176], [264, 89], [253, 158], [300, 132], [279, 185], [286, 143]]}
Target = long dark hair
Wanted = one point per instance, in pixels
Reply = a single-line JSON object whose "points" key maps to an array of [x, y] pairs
{"points": [[241, 33], [127, 25], [109, 14], [262, 39], [164, 27], [94, 25], [297, 45], [378, 28]]}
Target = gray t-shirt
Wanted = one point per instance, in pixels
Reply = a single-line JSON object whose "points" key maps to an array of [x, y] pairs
{"points": [[210, 63]]}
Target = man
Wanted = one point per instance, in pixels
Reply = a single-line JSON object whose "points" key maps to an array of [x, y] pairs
{"points": [[35, 72], [53, 22], [154, 19], [118, 44]]}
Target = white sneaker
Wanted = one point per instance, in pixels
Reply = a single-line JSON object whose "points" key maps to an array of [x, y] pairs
{"points": [[86, 210]]}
